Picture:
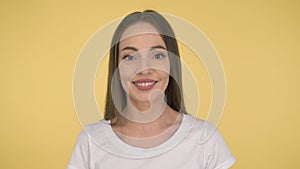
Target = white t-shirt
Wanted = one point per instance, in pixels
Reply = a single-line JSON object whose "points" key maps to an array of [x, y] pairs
{"points": [[196, 144]]}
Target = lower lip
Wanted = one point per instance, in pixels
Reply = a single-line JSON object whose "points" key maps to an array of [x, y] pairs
{"points": [[145, 87]]}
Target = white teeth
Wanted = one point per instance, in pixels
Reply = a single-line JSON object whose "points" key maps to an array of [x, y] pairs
{"points": [[144, 84]]}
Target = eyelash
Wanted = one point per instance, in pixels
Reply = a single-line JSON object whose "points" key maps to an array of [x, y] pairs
{"points": [[126, 57], [159, 54], [156, 56]]}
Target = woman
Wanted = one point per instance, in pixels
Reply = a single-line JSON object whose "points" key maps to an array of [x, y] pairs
{"points": [[145, 123]]}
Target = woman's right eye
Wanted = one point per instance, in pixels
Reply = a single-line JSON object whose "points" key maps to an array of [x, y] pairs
{"points": [[129, 57]]}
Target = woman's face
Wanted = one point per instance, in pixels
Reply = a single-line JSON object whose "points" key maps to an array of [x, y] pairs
{"points": [[143, 63]]}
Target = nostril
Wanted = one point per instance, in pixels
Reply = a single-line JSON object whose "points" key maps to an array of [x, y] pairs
{"points": [[146, 71]]}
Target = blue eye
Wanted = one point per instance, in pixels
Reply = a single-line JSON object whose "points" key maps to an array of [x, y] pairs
{"points": [[129, 57], [159, 56]]}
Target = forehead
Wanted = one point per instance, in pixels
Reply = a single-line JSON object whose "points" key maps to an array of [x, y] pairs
{"points": [[138, 29], [141, 35], [141, 42]]}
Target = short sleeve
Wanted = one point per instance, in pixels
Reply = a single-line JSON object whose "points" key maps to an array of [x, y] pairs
{"points": [[217, 153], [80, 155]]}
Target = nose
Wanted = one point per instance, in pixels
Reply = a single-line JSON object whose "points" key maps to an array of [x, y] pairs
{"points": [[145, 71], [145, 65]]}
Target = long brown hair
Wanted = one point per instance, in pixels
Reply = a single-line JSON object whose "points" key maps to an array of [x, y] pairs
{"points": [[173, 93]]}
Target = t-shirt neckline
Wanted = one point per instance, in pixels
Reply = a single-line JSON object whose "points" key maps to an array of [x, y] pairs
{"points": [[126, 150]]}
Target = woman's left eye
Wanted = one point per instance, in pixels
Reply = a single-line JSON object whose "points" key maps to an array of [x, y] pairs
{"points": [[159, 56]]}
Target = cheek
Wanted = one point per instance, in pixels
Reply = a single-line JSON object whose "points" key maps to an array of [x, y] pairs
{"points": [[163, 66], [126, 75], [165, 79]]}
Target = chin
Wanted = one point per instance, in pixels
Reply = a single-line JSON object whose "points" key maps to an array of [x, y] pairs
{"points": [[141, 98]]}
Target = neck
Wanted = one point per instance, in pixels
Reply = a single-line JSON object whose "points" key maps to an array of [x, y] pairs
{"points": [[147, 135], [165, 120], [144, 112]]}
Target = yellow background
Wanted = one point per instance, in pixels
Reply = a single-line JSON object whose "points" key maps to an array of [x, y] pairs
{"points": [[257, 41]]}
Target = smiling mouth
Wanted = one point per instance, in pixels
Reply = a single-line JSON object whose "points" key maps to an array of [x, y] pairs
{"points": [[144, 84]]}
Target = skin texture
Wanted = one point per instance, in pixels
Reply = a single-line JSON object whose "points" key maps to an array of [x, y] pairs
{"points": [[143, 57], [144, 70]]}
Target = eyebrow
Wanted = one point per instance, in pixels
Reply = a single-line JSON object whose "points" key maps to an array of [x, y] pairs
{"points": [[130, 48], [157, 47], [135, 49]]}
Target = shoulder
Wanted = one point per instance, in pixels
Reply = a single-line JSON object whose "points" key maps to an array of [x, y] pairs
{"points": [[215, 150], [207, 139], [93, 132], [205, 130], [81, 154], [97, 126]]}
